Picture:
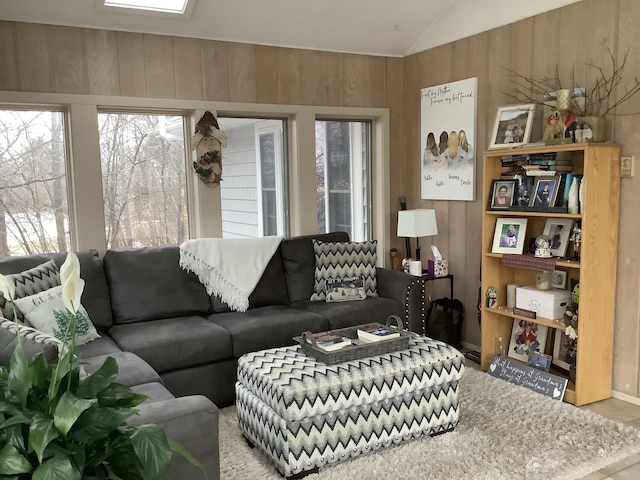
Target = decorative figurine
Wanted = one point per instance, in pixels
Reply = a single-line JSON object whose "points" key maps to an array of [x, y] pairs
{"points": [[543, 247], [576, 238], [492, 297]]}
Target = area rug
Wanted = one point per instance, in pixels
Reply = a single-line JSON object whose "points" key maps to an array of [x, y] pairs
{"points": [[506, 432]]}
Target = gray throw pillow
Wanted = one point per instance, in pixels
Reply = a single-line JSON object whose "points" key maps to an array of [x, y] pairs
{"points": [[32, 281], [33, 342], [336, 260]]}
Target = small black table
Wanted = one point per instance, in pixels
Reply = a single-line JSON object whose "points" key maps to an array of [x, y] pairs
{"points": [[426, 278]]}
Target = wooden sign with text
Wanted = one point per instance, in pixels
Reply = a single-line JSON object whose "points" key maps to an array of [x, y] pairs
{"points": [[534, 379]]}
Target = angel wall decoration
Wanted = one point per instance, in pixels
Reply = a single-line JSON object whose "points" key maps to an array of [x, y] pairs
{"points": [[208, 141]]}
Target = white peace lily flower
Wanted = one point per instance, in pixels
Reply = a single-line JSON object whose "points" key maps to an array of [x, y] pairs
{"points": [[7, 287], [71, 293], [72, 284], [70, 267], [571, 333]]}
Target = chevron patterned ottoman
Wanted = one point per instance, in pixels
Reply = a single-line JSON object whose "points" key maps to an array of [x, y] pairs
{"points": [[304, 414]]}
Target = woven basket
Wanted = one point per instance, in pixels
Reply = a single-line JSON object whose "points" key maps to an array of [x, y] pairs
{"points": [[361, 350]]}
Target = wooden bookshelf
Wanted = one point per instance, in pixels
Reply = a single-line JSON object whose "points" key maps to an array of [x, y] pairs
{"points": [[596, 271]]}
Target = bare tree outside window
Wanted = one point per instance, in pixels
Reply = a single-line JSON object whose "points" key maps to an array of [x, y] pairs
{"points": [[34, 213], [143, 179]]}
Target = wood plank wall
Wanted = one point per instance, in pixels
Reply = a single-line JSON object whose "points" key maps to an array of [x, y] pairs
{"points": [[566, 38], [47, 58]]}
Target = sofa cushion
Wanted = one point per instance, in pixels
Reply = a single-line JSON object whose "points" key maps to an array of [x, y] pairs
{"points": [[33, 342], [349, 314], [100, 346], [155, 392], [344, 259], [132, 370], [95, 297], [267, 327], [174, 343], [46, 312], [29, 282], [148, 284], [299, 262]]}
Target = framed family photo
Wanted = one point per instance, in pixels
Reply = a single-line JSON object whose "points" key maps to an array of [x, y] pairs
{"points": [[513, 126], [545, 191], [509, 235], [558, 230], [564, 350], [502, 194], [526, 338]]}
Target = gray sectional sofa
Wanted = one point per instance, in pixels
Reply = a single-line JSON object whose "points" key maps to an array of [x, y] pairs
{"points": [[180, 346]]}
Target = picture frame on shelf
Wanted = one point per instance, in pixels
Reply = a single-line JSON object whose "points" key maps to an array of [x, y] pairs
{"points": [[559, 279], [526, 338], [502, 194], [525, 190], [558, 230], [509, 235], [564, 350], [512, 127], [540, 361], [545, 191]]}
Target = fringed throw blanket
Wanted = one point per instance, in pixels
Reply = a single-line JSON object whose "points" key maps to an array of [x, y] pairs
{"points": [[229, 268]]}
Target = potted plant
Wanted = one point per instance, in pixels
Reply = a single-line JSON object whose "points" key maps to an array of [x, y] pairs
{"points": [[592, 105], [56, 423]]}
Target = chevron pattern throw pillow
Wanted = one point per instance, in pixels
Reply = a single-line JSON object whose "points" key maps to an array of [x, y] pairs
{"points": [[344, 259], [32, 281]]}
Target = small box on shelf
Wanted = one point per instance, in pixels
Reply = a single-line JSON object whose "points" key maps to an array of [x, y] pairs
{"points": [[546, 303]]}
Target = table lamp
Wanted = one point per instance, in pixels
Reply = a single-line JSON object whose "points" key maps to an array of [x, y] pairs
{"points": [[417, 223]]}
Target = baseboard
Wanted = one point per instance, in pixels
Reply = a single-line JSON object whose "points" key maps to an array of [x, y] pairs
{"points": [[470, 346], [626, 398]]}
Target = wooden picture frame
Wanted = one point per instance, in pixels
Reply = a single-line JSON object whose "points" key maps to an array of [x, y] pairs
{"points": [[558, 230], [512, 127], [502, 194], [545, 191], [509, 235]]}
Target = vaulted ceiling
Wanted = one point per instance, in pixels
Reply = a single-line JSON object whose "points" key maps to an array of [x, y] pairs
{"points": [[377, 27]]}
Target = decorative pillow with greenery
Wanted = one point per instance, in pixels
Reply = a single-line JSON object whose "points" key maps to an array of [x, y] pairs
{"points": [[55, 425]]}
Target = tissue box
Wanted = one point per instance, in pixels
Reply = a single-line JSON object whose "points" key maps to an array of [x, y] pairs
{"points": [[546, 303], [437, 268]]}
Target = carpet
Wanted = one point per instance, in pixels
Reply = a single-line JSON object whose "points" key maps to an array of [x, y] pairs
{"points": [[506, 432]]}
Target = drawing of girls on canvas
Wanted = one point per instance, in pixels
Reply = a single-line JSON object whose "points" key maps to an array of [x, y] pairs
{"points": [[430, 152]]}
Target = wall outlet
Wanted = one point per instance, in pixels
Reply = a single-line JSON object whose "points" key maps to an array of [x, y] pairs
{"points": [[627, 166]]}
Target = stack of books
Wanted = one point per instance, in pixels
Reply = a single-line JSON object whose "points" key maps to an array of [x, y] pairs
{"points": [[373, 333], [330, 342], [533, 164]]}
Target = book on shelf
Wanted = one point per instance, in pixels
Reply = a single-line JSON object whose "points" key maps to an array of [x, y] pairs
{"points": [[376, 334], [330, 342]]}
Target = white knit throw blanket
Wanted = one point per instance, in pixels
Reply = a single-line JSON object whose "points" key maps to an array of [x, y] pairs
{"points": [[229, 267]]}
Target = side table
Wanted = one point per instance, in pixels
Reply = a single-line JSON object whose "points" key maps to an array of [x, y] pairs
{"points": [[426, 278]]}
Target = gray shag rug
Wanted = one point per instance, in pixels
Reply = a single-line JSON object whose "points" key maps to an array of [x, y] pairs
{"points": [[506, 432]]}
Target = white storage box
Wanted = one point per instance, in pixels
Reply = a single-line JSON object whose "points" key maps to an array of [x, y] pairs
{"points": [[546, 303]]}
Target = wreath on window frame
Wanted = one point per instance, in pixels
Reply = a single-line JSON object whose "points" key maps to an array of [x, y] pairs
{"points": [[208, 141]]}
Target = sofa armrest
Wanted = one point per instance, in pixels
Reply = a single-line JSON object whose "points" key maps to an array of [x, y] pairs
{"points": [[408, 290], [192, 422]]}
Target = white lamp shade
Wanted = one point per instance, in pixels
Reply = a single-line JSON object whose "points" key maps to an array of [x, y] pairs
{"points": [[417, 223]]}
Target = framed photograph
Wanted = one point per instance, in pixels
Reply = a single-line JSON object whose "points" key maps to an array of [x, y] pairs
{"points": [[502, 194], [545, 191], [513, 126], [526, 338], [559, 279], [509, 235], [525, 189], [564, 350], [559, 231], [540, 361]]}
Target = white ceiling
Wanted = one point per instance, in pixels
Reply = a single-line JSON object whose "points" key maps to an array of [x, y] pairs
{"points": [[376, 27]]}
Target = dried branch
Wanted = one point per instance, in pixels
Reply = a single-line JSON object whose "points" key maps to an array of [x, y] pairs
{"points": [[600, 100]]}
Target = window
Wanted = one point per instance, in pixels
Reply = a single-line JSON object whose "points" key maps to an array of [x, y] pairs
{"points": [[143, 162], [343, 184], [253, 178], [34, 216]]}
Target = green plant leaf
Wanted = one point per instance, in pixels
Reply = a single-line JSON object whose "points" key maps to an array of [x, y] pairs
{"points": [[41, 432], [118, 395], [39, 372], [152, 448], [97, 423], [99, 380], [13, 435], [19, 375], [11, 462], [68, 409], [177, 448], [58, 467], [15, 419]]}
